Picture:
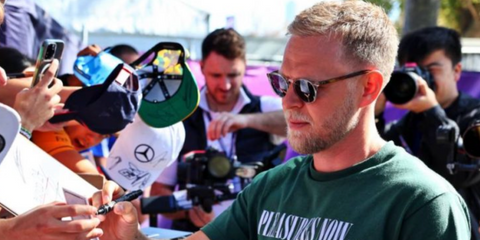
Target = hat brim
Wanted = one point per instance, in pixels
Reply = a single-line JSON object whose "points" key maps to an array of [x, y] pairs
{"points": [[174, 109]]}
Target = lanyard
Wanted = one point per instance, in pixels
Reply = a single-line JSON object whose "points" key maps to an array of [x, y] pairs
{"points": [[222, 144]]}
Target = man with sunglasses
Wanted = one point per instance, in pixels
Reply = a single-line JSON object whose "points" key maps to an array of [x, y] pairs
{"points": [[353, 184], [438, 50]]}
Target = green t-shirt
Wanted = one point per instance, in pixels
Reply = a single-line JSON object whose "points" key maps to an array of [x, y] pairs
{"points": [[391, 195]]}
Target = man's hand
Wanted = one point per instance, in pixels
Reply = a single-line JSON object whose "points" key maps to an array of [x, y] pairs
{"points": [[45, 222], [37, 104], [200, 218], [122, 223], [424, 100], [226, 122]]}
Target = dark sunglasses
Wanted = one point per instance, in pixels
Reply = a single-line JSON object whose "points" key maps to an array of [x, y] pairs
{"points": [[305, 89]]}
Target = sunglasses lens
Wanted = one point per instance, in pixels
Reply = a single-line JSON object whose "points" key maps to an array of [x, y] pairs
{"points": [[305, 90], [279, 84]]}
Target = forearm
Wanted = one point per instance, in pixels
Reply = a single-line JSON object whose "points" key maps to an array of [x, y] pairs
{"points": [[5, 226], [271, 122], [9, 91], [75, 162], [66, 92]]}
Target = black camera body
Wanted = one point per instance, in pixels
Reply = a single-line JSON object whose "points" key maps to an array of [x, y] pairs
{"points": [[403, 86], [205, 167]]}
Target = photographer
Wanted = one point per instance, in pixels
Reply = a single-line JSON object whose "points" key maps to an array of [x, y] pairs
{"points": [[229, 118], [435, 108]]}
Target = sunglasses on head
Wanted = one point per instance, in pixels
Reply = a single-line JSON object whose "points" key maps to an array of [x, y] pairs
{"points": [[305, 89]]}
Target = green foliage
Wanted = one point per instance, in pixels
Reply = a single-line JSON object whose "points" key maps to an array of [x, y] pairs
{"points": [[449, 15]]}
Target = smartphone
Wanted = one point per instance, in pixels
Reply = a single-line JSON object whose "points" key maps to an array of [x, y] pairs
{"points": [[49, 50]]}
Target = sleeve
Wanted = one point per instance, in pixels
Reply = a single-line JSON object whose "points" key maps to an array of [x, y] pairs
{"points": [[444, 217], [234, 222], [52, 142], [438, 145]]}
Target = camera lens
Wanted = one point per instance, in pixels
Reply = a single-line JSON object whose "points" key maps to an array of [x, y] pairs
{"points": [[219, 166], [471, 140], [401, 88], [50, 51]]}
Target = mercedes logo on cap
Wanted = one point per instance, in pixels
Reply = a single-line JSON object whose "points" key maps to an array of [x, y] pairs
{"points": [[144, 153]]}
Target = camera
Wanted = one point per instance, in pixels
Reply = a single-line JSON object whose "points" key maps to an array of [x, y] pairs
{"points": [[471, 140], [467, 154], [205, 167], [209, 177], [403, 86]]}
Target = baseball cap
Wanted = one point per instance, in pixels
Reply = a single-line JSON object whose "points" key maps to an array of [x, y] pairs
{"points": [[142, 152], [10, 127], [105, 108], [170, 92], [93, 70]]}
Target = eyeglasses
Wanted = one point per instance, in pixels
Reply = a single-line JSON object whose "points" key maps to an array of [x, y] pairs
{"points": [[305, 89]]}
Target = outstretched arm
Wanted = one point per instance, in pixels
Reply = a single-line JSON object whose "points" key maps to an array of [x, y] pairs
{"points": [[271, 122]]}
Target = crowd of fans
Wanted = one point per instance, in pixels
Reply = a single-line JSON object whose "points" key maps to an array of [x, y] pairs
{"points": [[357, 178]]}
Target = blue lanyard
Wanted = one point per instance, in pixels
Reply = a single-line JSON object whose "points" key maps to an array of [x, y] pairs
{"points": [[222, 145]]}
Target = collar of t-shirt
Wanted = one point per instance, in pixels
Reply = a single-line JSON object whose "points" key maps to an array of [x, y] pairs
{"points": [[384, 154], [227, 141]]}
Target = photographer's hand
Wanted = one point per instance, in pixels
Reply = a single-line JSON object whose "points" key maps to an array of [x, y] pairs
{"points": [[200, 218], [226, 122], [424, 100]]}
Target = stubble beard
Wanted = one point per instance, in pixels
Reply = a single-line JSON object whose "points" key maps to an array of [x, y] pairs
{"points": [[333, 129]]}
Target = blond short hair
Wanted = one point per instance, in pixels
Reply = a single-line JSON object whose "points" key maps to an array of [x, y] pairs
{"points": [[368, 36]]}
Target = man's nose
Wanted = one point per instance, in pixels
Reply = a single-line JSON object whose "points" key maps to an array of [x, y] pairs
{"points": [[291, 100], [226, 83]]}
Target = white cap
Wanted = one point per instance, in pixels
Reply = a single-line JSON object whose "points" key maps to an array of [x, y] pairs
{"points": [[142, 152], [9, 128]]}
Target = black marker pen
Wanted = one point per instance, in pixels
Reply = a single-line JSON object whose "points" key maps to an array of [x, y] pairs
{"points": [[16, 75], [104, 209]]}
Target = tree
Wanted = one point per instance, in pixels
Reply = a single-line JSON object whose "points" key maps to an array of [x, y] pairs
{"points": [[420, 14], [462, 15]]}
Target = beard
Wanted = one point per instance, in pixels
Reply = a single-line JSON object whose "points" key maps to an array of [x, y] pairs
{"points": [[333, 129]]}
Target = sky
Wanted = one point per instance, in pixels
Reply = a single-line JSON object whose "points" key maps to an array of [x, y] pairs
{"points": [[257, 18], [264, 18]]}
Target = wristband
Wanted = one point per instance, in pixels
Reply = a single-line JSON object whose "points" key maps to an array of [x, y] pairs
{"points": [[25, 133]]}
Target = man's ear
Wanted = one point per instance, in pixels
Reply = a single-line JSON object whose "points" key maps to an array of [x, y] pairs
{"points": [[372, 86], [457, 71]]}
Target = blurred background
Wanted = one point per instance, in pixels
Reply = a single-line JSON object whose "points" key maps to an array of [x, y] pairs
{"points": [[142, 23]]}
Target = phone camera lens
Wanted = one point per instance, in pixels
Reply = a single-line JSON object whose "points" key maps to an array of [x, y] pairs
{"points": [[50, 51]]}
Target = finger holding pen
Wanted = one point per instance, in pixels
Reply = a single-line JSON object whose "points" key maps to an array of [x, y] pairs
{"points": [[106, 208], [123, 222]]}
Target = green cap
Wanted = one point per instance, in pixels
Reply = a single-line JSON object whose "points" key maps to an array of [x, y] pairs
{"points": [[170, 92]]}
